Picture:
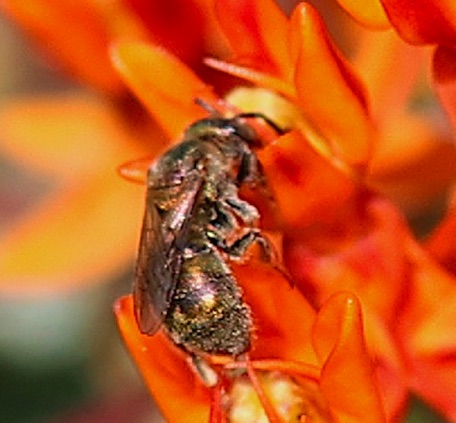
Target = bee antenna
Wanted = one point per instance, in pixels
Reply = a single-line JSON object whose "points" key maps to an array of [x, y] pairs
{"points": [[272, 124], [206, 106]]}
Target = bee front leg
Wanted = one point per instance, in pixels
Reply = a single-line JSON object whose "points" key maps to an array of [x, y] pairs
{"points": [[245, 211], [238, 248]]}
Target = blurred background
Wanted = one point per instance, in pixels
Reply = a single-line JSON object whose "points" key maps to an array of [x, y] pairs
{"points": [[61, 358]]}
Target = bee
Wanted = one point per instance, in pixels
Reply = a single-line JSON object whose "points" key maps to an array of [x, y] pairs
{"points": [[194, 225]]}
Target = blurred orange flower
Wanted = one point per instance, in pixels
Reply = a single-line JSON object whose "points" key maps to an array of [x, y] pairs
{"points": [[76, 36], [73, 235]]}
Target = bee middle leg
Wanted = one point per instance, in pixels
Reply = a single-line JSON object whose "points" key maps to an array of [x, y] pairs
{"points": [[238, 248]]}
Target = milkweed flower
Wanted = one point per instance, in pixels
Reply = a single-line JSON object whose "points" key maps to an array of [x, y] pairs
{"points": [[347, 119], [331, 386], [339, 234]]}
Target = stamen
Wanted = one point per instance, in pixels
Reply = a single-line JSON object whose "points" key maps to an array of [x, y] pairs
{"points": [[252, 75], [267, 406], [217, 413], [289, 367]]}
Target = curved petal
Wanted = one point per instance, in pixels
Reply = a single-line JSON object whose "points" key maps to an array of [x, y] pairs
{"points": [[391, 69], [445, 79], [307, 188], [369, 262], [282, 315], [347, 379], [414, 162], [257, 33], [64, 135], [328, 90], [427, 332], [180, 26], [423, 21], [80, 48], [166, 86], [176, 390], [368, 13], [374, 267], [73, 236], [441, 245]]}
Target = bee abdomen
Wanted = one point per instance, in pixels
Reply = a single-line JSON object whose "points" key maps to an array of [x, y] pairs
{"points": [[207, 313]]}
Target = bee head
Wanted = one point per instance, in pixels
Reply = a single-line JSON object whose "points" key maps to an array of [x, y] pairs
{"points": [[223, 130]]}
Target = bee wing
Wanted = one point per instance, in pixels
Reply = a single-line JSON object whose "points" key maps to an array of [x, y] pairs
{"points": [[159, 258]]}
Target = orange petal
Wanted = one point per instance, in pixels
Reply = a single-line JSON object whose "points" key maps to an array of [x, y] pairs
{"points": [[370, 262], [136, 170], [441, 243], [347, 379], [445, 79], [308, 190], [391, 69], [176, 390], [423, 21], [257, 32], [328, 91], [373, 267], [282, 315], [427, 332], [48, 133], [166, 86], [75, 235], [368, 13], [179, 26], [414, 163], [76, 34]]}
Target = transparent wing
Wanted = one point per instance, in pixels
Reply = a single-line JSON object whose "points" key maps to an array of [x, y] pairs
{"points": [[159, 260]]}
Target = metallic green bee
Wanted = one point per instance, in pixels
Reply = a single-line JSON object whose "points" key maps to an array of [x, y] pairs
{"points": [[194, 225]]}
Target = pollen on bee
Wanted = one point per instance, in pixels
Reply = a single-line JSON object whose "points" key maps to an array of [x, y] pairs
{"points": [[208, 298]]}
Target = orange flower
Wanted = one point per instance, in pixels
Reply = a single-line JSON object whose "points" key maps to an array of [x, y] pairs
{"points": [[338, 234], [418, 23], [332, 388], [350, 130]]}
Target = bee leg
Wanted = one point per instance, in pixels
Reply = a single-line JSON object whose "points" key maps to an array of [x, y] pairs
{"points": [[250, 170], [244, 210], [239, 247], [204, 371], [251, 173], [225, 221], [271, 123], [268, 253]]}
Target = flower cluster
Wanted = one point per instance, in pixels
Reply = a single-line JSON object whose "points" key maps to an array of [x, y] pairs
{"points": [[369, 320]]}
